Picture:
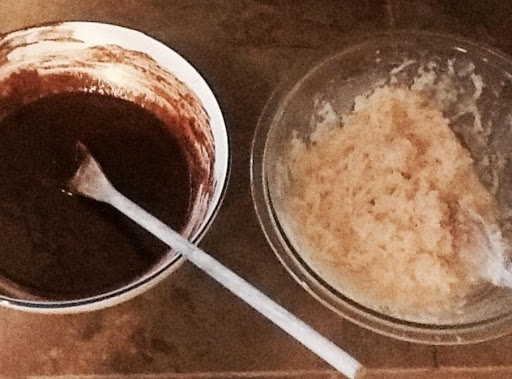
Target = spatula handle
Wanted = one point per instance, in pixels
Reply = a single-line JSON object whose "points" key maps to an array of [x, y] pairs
{"points": [[302, 332]]}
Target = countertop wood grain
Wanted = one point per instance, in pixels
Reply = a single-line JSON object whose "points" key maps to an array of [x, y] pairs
{"points": [[188, 326]]}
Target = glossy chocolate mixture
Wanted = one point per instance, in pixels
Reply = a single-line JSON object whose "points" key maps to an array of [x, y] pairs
{"points": [[66, 247]]}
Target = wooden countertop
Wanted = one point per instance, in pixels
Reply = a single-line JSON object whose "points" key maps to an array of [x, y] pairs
{"points": [[188, 326]]}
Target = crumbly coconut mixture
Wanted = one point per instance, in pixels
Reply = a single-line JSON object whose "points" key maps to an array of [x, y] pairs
{"points": [[377, 202]]}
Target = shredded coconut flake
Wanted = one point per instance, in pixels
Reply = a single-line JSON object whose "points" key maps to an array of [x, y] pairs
{"points": [[375, 204]]}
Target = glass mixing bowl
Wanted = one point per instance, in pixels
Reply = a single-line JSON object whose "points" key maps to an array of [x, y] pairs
{"points": [[484, 129]]}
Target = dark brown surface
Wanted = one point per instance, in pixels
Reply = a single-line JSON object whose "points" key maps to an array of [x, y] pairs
{"points": [[65, 247], [188, 324]]}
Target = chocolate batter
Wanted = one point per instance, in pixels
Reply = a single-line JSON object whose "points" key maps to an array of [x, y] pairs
{"points": [[64, 246]]}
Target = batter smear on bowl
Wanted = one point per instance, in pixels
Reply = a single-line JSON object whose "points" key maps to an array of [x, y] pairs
{"points": [[376, 200]]}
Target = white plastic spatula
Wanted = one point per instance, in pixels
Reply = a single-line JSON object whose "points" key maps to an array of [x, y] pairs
{"points": [[487, 253], [90, 181]]}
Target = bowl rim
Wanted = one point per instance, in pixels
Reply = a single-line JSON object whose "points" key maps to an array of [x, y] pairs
{"points": [[193, 79], [455, 334]]}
